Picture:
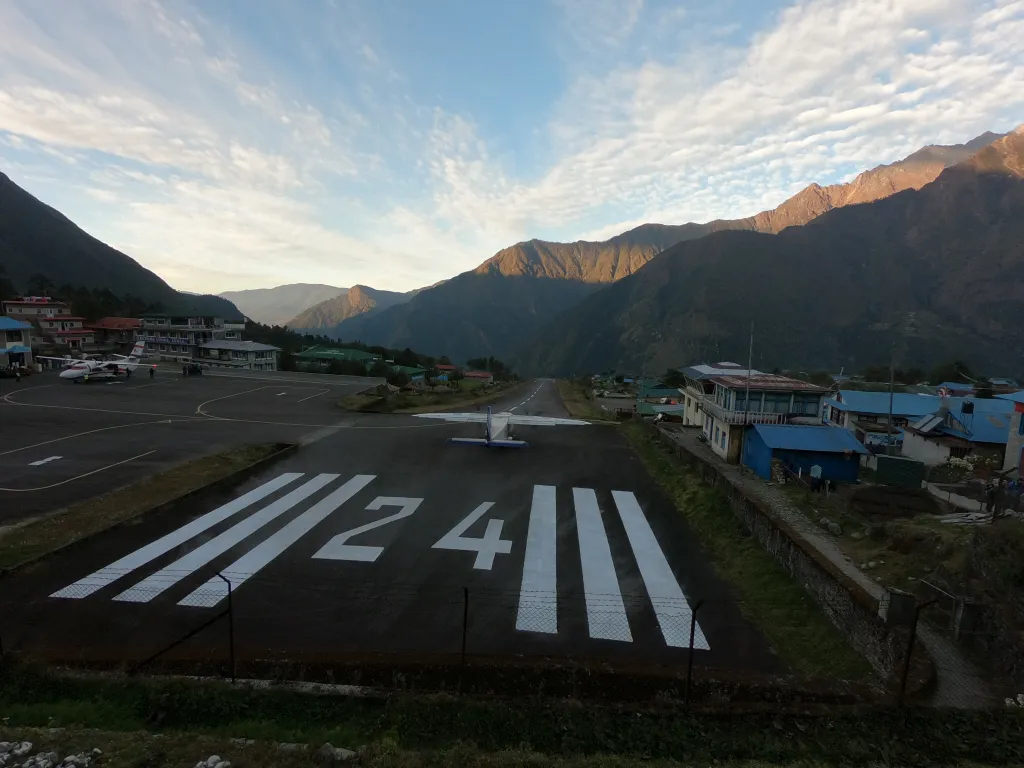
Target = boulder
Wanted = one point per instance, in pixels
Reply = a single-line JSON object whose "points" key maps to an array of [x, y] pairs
{"points": [[835, 529]]}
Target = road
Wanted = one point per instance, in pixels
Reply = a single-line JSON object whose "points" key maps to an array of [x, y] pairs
{"points": [[381, 537]]}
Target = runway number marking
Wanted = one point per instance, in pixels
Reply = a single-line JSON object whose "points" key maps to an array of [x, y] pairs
{"points": [[486, 546], [538, 603], [44, 461], [337, 549]]}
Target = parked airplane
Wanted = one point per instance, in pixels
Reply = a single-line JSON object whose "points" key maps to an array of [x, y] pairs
{"points": [[93, 370], [499, 433]]}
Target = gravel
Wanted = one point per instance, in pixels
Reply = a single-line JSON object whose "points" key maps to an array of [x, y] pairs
{"points": [[19, 754]]}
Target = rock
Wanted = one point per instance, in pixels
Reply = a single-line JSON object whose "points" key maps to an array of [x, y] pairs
{"points": [[243, 742], [212, 761], [835, 529], [289, 746], [22, 749], [878, 578], [824, 522], [911, 578], [5, 747], [864, 566], [872, 564], [223, 764], [336, 753], [856, 535], [97, 753]]}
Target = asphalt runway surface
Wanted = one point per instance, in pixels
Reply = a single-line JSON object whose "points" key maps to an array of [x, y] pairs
{"points": [[381, 537]]}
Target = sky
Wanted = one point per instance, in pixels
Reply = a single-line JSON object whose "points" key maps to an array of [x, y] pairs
{"points": [[392, 143]]}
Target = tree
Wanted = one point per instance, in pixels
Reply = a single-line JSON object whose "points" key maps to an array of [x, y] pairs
{"points": [[6, 286], [39, 285], [407, 358], [286, 362], [456, 378], [674, 378], [444, 360], [876, 373], [820, 378], [380, 369], [955, 371], [398, 379], [985, 393]]}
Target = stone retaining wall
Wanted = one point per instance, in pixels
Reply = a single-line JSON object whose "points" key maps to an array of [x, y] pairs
{"points": [[848, 606]]}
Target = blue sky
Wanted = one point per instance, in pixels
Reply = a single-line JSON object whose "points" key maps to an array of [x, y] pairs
{"points": [[250, 143]]}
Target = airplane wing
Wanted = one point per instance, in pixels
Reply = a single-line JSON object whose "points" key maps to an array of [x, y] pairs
{"points": [[60, 359], [544, 421], [479, 418]]}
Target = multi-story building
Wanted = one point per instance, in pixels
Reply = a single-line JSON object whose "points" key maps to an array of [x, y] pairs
{"points": [[172, 337], [230, 353], [52, 318], [699, 385], [115, 332], [736, 402], [15, 342]]}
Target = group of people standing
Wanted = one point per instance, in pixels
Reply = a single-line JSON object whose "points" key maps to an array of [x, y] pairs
{"points": [[999, 496]]}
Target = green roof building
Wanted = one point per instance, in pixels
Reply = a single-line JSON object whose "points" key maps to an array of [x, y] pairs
{"points": [[327, 354]]}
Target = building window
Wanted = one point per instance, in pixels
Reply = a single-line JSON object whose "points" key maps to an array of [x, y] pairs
{"points": [[14, 336], [716, 433], [723, 438]]}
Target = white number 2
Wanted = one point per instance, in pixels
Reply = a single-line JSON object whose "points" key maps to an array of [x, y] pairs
{"points": [[337, 549], [486, 547]]}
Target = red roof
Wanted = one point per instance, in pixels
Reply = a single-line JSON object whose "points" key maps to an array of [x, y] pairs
{"points": [[768, 381], [445, 367], [478, 375], [117, 323]]}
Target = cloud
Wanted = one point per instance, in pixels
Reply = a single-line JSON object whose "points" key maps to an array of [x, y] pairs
{"points": [[206, 156]]}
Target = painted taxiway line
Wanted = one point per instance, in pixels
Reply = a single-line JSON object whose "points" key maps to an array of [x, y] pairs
{"points": [[47, 460], [77, 477], [92, 432]]}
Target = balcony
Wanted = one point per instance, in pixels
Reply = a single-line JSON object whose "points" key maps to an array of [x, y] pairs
{"points": [[746, 417]]}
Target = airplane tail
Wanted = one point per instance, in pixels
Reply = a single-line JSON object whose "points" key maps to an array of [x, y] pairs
{"points": [[137, 350]]}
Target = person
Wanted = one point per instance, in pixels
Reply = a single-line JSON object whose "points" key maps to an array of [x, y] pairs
{"points": [[152, 371], [17, 374], [128, 373], [990, 496]]}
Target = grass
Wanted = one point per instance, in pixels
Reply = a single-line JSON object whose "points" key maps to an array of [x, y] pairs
{"points": [[192, 720], [471, 394], [578, 401], [784, 613], [22, 542]]}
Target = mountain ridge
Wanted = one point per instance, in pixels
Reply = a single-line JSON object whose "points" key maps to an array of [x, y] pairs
{"points": [[275, 306], [939, 267], [36, 238], [481, 327]]}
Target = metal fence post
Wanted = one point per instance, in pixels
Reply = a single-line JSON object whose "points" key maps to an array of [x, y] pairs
{"points": [[689, 653], [231, 627], [910, 646], [465, 621]]}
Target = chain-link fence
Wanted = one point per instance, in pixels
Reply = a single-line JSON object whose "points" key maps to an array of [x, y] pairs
{"points": [[450, 637]]}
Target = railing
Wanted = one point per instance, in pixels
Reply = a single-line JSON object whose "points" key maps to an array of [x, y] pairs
{"points": [[745, 417]]}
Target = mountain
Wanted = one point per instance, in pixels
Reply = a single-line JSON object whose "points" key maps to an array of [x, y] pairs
{"points": [[357, 300], [938, 269], [276, 306], [490, 310], [37, 239]]}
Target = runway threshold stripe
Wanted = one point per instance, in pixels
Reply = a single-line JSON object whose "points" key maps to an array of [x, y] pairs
{"points": [[167, 577], [101, 578], [538, 595], [606, 615], [257, 558], [667, 599]]}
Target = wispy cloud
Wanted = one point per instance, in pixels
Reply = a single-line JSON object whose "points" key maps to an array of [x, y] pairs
{"points": [[222, 161]]}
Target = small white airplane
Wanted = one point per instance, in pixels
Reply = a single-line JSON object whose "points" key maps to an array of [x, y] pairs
{"points": [[94, 370], [499, 433]]}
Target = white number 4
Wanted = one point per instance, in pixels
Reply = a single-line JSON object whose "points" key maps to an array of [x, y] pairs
{"points": [[486, 547]]}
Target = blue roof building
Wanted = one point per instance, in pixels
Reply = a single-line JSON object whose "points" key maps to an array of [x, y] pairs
{"points": [[15, 342], [959, 427], [1013, 459], [801, 448]]}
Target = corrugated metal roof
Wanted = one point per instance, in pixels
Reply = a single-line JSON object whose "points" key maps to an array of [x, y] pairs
{"points": [[10, 324], [766, 381], [705, 371], [877, 403], [818, 439], [1015, 397]]}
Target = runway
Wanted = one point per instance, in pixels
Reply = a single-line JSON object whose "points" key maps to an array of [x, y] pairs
{"points": [[381, 537]]}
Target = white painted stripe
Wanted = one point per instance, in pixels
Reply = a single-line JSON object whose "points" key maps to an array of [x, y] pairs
{"points": [[667, 598], [606, 615], [257, 558], [128, 563], [170, 575], [44, 461], [538, 595]]}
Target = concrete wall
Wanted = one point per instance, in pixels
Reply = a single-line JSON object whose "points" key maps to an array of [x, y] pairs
{"points": [[1015, 442], [923, 449], [847, 605]]}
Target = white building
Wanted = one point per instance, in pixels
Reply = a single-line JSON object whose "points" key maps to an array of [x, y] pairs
{"points": [[239, 354], [960, 427], [698, 385], [173, 337], [1014, 458], [772, 399]]}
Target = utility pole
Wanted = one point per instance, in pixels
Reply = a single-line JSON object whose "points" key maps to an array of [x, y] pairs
{"points": [[750, 364], [892, 386]]}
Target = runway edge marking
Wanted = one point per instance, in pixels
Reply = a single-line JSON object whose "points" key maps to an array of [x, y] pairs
{"points": [[130, 562]]}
